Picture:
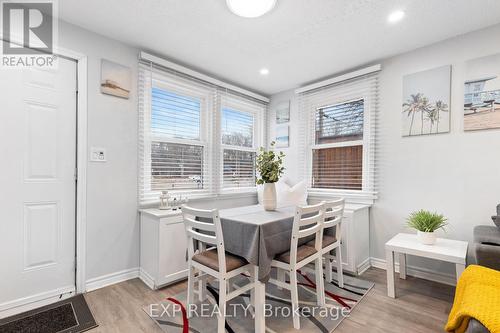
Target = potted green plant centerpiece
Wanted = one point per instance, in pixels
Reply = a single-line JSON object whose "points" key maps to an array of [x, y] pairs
{"points": [[426, 223], [270, 168]]}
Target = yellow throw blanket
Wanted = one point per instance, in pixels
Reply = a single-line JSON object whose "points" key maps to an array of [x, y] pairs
{"points": [[477, 296]]}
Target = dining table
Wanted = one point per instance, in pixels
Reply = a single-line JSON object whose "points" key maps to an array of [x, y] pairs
{"points": [[258, 236]]}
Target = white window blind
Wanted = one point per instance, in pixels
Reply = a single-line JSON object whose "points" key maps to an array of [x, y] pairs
{"points": [[338, 135], [195, 138], [242, 132]]}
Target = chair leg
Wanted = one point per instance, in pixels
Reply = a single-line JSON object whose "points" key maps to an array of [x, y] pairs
{"points": [[320, 283], [202, 288], [328, 269], [190, 291], [295, 299], [253, 279], [340, 274], [221, 320], [281, 277]]}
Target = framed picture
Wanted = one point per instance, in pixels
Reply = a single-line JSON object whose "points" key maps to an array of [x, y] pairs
{"points": [[282, 136], [283, 113], [116, 80], [426, 102], [482, 93]]}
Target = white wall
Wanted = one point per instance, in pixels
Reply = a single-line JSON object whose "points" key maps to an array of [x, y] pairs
{"points": [[112, 227], [112, 217], [457, 174], [292, 171]]}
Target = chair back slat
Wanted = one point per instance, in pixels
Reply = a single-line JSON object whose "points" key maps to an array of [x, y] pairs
{"points": [[305, 221], [200, 225], [311, 208], [198, 212], [207, 239], [309, 231]]}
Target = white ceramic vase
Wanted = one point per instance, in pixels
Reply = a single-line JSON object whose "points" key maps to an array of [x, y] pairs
{"points": [[426, 238], [269, 196]]}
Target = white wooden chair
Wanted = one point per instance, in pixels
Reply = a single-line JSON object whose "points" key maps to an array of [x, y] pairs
{"points": [[334, 211], [213, 261], [308, 221]]}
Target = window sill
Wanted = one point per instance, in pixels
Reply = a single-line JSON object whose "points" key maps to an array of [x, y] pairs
{"points": [[360, 197], [226, 194]]}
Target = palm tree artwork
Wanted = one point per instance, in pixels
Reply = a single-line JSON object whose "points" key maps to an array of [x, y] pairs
{"points": [[429, 113], [426, 102]]}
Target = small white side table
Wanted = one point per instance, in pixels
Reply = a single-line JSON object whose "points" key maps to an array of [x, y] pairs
{"points": [[445, 249]]}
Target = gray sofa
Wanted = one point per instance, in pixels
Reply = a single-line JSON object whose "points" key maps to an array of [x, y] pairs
{"points": [[487, 246]]}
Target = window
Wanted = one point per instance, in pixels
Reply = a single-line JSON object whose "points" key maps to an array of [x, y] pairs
{"points": [[337, 128], [176, 148], [195, 138], [238, 149], [337, 156]]}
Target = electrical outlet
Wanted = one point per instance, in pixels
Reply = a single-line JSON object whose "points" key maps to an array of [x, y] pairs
{"points": [[97, 154]]}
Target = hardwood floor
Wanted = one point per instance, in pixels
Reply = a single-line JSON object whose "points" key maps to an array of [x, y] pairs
{"points": [[421, 306]]}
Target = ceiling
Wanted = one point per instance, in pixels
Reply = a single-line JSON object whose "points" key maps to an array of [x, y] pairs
{"points": [[300, 41]]}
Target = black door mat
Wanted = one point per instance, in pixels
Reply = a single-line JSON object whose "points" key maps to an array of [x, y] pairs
{"points": [[71, 315]]}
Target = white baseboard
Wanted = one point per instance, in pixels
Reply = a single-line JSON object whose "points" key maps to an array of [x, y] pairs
{"points": [[418, 272], [109, 279], [364, 266], [35, 301], [146, 278]]}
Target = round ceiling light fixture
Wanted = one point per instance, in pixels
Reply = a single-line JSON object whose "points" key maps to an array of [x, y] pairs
{"points": [[396, 16], [250, 8], [264, 71]]}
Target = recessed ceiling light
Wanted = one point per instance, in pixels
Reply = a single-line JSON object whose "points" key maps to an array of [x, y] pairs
{"points": [[250, 8], [264, 71], [396, 16]]}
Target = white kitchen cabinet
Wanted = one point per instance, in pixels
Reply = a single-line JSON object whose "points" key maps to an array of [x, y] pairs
{"points": [[356, 238], [163, 247]]}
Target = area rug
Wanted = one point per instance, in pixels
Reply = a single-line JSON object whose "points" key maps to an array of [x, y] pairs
{"points": [[171, 315], [71, 315]]}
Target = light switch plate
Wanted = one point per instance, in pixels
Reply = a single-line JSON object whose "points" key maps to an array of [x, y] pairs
{"points": [[97, 154]]}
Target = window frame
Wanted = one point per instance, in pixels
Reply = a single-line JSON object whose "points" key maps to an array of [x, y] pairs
{"points": [[234, 104], [164, 83], [365, 143]]}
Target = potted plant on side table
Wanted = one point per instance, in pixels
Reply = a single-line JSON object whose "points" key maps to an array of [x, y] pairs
{"points": [[426, 223], [270, 168]]}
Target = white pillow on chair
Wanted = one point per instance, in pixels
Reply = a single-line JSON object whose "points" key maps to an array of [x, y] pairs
{"points": [[287, 195]]}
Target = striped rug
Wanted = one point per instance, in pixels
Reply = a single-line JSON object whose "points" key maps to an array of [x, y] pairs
{"points": [[170, 315]]}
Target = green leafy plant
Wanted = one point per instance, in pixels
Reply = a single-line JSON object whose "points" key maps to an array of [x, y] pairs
{"points": [[269, 165], [426, 221]]}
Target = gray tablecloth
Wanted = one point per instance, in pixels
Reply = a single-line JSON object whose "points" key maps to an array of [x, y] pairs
{"points": [[257, 235]]}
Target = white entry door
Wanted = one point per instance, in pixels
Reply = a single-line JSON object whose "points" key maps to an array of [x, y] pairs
{"points": [[37, 184]]}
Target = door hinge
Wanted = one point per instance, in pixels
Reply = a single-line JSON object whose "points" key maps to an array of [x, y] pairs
{"points": [[76, 174]]}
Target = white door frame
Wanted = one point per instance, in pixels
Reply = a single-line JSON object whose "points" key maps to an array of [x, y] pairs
{"points": [[82, 157]]}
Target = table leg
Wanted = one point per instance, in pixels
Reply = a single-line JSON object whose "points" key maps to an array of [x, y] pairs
{"points": [[260, 300], [459, 269], [391, 289], [402, 266]]}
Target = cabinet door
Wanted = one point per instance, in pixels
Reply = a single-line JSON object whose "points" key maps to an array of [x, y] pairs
{"points": [[346, 243], [172, 257]]}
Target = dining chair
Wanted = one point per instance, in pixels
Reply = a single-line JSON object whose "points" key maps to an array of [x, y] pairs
{"points": [[332, 238], [308, 221], [204, 226]]}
